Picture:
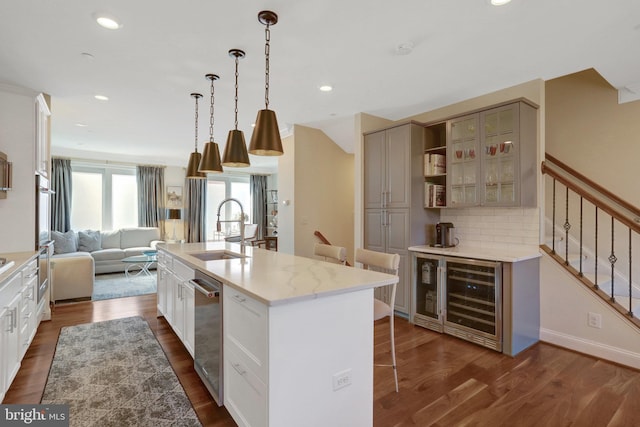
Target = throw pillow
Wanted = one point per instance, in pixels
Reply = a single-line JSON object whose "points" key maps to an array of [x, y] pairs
{"points": [[89, 240], [63, 243]]}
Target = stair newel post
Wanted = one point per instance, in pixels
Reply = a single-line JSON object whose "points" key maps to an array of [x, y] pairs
{"points": [[630, 281], [553, 220], [612, 260], [567, 227], [595, 257], [580, 272]]}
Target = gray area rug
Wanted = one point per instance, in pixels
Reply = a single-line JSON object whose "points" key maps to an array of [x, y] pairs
{"points": [[115, 373], [117, 285]]}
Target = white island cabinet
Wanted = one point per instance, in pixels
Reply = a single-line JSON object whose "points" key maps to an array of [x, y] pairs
{"points": [[297, 337]]}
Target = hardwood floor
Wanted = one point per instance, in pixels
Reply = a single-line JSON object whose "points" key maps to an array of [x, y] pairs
{"points": [[443, 381]]}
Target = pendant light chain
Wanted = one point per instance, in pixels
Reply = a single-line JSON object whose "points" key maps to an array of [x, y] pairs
{"points": [[211, 120], [196, 142], [236, 98], [267, 51]]}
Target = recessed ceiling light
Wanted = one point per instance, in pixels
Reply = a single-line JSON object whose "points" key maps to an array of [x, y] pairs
{"points": [[81, 125], [326, 88], [101, 98], [107, 21], [499, 2], [253, 125]]}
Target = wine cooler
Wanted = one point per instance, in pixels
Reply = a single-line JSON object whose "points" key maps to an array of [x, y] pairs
{"points": [[460, 297]]}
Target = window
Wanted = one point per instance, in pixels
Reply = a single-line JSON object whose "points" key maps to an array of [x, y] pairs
{"points": [[103, 197], [218, 189]]}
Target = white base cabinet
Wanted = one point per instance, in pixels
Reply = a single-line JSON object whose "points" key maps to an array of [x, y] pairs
{"points": [[176, 298], [18, 320], [283, 363]]}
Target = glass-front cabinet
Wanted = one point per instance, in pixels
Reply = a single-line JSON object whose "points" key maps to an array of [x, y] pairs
{"points": [[464, 161], [500, 154], [491, 157]]}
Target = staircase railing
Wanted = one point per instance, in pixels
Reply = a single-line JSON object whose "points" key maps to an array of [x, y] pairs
{"points": [[622, 218]]}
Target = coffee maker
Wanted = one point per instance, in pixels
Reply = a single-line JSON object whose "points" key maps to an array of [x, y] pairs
{"points": [[444, 235]]}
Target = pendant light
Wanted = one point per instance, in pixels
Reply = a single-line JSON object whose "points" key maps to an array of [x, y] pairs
{"points": [[210, 161], [265, 140], [235, 152], [194, 158]]}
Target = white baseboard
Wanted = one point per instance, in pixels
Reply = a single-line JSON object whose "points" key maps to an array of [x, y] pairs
{"points": [[593, 348]]}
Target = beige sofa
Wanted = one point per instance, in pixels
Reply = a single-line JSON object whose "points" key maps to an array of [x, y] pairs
{"points": [[73, 272]]}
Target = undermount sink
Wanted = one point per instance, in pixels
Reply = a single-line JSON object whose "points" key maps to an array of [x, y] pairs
{"points": [[216, 255]]}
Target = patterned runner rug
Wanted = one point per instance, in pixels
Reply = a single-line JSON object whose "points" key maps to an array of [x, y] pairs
{"points": [[115, 373]]}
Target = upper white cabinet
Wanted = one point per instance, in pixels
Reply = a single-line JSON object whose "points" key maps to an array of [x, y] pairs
{"points": [[43, 115]]}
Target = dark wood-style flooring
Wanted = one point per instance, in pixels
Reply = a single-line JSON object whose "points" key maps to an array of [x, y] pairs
{"points": [[443, 381]]}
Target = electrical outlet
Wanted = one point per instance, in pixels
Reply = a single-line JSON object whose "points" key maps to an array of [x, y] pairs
{"points": [[341, 379], [594, 320]]}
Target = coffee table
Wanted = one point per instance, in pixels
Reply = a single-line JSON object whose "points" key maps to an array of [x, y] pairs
{"points": [[142, 262]]}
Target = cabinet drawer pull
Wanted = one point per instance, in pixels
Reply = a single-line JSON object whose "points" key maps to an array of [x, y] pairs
{"points": [[238, 368], [239, 298]]}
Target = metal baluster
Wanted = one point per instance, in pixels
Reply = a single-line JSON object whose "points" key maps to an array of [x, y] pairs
{"points": [[567, 227], [612, 260], [595, 261], [553, 220], [630, 281], [580, 272]]}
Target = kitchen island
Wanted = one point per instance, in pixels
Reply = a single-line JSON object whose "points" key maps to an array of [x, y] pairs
{"points": [[297, 333]]}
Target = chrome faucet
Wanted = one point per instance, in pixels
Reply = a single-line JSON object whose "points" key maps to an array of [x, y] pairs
{"points": [[240, 221]]}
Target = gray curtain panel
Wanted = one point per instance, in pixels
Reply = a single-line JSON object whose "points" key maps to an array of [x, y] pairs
{"points": [[150, 181], [61, 200], [195, 215], [258, 189]]}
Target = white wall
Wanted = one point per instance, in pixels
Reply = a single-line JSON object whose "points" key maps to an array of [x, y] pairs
{"points": [[17, 140], [286, 192], [564, 307]]}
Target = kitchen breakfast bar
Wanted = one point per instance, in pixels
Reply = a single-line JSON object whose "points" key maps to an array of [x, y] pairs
{"points": [[297, 333]]}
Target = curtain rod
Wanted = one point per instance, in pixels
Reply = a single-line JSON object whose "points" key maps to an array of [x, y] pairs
{"points": [[107, 162]]}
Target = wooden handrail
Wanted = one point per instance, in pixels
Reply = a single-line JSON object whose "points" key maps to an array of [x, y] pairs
{"points": [[324, 240], [635, 226], [631, 208]]}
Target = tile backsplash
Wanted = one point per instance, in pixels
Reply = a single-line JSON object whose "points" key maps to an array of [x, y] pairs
{"points": [[494, 227]]}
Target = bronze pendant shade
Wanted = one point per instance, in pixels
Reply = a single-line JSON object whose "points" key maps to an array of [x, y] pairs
{"points": [[235, 152], [194, 158], [194, 164], [265, 140], [211, 161]]}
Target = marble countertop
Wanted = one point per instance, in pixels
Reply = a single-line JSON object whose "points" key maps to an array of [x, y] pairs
{"points": [[20, 259], [507, 254], [277, 278]]}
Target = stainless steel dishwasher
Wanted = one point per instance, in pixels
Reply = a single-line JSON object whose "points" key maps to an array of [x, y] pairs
{"points": [[208, 333]]}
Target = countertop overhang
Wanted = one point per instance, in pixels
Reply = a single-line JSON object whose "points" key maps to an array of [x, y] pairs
{"points": [[20, 259], [504, 254], [276, 278]]}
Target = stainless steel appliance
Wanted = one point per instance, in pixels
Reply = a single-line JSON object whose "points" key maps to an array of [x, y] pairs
{"points": [[444, 235], [208, 333], [461, 297]]}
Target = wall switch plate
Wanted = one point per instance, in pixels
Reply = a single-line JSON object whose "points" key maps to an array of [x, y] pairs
{"points": [[594, 320], [341, 379]]}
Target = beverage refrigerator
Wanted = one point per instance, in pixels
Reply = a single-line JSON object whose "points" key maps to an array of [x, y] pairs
{"points": [[460, 297]]}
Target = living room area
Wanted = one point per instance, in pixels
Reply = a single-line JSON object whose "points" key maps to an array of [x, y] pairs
{"points": [[107, 217]]}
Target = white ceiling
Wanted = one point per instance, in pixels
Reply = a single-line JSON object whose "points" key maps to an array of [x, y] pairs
{"points": [[148, 68]]}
